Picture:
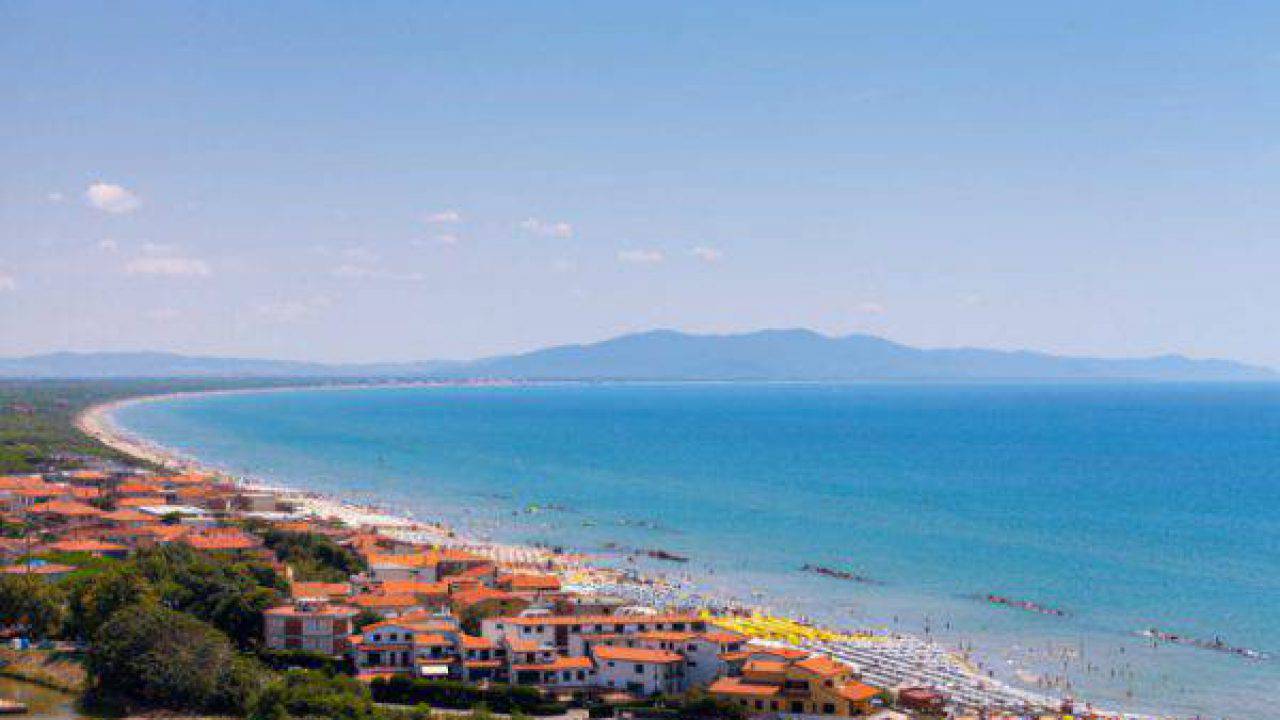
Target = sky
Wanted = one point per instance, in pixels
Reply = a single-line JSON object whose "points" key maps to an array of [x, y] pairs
{"points": [[421, 180]]}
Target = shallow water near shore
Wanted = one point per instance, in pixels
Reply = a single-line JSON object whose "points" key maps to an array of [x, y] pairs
{"points": [[1128, 506]]}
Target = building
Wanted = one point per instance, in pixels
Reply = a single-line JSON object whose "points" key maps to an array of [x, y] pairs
{"points": [[640, 671], [814, 685], [309, 624], [569, 634]]}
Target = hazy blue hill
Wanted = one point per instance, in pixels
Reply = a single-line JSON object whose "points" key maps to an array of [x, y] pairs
{"points": [[806, 355], [670, 355]]}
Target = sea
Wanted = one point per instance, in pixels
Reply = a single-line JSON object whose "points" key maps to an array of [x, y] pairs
{"points": [[1127, 506]]}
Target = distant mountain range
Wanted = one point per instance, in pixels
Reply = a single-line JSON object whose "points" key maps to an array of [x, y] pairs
{"points": [[671, 355]]}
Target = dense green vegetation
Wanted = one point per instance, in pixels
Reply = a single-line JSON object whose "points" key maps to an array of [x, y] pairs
{"points": [[403, 690], [37, 417], [313, 557]]}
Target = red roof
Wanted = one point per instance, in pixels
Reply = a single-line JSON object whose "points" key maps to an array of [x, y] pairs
{"points": [[858, 692], [65, 508], [737, 686], [636, 655], [89, 546]]}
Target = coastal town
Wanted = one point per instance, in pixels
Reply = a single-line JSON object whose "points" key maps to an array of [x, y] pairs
{"points": [[404, 606]]}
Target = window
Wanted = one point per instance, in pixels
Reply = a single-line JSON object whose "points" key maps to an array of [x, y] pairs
{"points": [[639, 668], [377, 637], [759, 704], [829, 709]]}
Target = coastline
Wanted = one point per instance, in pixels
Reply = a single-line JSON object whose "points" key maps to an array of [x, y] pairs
{"points": [[578, 570]]}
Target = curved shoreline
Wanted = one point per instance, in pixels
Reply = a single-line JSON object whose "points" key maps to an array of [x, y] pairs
{"points": [[96, 421]]}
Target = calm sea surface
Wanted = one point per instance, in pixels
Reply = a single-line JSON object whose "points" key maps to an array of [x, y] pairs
{"points": [[1129, 506]]}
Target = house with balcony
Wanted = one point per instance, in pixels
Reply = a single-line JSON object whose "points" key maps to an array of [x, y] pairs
{"points": [[309, 624]]}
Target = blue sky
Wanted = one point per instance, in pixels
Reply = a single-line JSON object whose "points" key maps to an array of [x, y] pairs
{"points": [[361, 181]]}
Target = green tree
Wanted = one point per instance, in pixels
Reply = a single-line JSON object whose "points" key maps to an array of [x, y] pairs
{"points": [[31, 604], [149, 655], [91, 600]]}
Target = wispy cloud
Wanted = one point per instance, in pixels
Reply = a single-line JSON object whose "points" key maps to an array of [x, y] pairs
{"points": [[544, 228], [109, 245], [7, 282], [443, 217], [352, 271], [288, 311], [641, 257], [707, 254], [111, 198], [870, 308], [168, 266], [55, 197]]}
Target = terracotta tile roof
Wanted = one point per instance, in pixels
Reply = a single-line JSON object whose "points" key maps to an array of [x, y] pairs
{"points": [[65, 508], [824, 666], [857, 692], [765, 666], [15, 482], [467, 598], [559, 663], [324, 610], [148, 501], [89, 546], [378, 600], [221, 539], [85, 493], [528, 581], [126, 515], [41, 491], [138, 488], [636, 655], [320, 589], [736, 686], [413, 587], [471, 642]]}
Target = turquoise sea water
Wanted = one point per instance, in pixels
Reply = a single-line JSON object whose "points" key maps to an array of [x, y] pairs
{"points": [[1129, 506]]}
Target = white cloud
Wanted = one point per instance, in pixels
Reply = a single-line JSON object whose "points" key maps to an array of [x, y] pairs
{"points": [[543, 228], [153, 248], [109, 245], [641, 257], [350, 271], [443, 217], [870, 308], [111, 198], [353, 271], [562, 265], [169, 266], [447, 239], [7, 282], [55, 197], [707, 254], [287, 311]]}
